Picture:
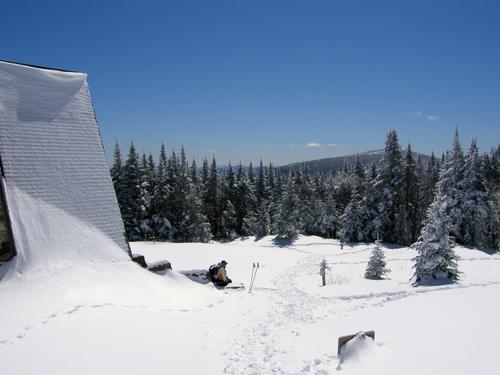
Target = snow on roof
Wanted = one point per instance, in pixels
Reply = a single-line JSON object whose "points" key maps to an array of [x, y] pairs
{"points": [[51, 151]]}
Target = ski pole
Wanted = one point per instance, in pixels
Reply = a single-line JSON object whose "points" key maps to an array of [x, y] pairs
{"points": [[251, 277], [254, 271]]}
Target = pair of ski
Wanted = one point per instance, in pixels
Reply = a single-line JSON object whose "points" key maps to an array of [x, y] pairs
{"points": [[255, 268]]}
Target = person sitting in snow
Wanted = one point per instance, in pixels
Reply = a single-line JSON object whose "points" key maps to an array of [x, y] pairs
{"points": [[217, 274]]}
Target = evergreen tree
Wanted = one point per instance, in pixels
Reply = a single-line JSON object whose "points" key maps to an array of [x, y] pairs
{"points": [[448, 187], [376, 268], [210, 198], [194, 174], [475, 206], [204, 172], [390, 191], [117, 175], [174, 202], [131, 209], [373, 171], [327, 217], [159, 184], [271, 178], [230, 183], [492, 181], [429, 183], [260, 190], [359, 171], [409, 210], [244, 205], [368, 208], [262, 227], [151, 176], [308, 204], [436, 258], [344, 185], [160, 225], [180, 213], [274, 182], [289, 224], [351, 221], [145, 199], [251, 174], [226, 206], [147, 178], [197, 226]]}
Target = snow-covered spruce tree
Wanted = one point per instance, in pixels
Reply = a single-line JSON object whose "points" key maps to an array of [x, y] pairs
{"points": [[175, 196], [359, 171], [260, 187], [262, 227], [251, 174], [182, 202], [288, 224], [151, 175], [327, 217], [230, 189], [204, 172], [420, 207], [351, 222], [275, 191], [390, 189], [429, 179], [226, 209], [475, 205], [198, 229], [308, 204], [160, 225], [146, 195], [249, 225], [132, 199], [436, 258], [227, 219], [368, 208], [344, 185], [210, 195], [244, 204], [409, 210], [376, 268], [448, 188], [158, 193], [117, 175], [491, 164]]}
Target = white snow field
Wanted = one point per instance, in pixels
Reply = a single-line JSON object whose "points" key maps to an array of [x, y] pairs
{"points": [[82, 315]]}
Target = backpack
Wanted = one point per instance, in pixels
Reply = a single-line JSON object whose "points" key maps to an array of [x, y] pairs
{"points": [[213, 270]]}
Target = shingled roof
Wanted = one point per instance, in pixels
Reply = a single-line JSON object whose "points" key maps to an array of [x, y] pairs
{"points": [[51, 151]]}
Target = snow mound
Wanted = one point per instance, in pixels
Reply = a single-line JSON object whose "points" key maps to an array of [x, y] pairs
{"points": [[48, 238], [358, 351], [54, 245]]}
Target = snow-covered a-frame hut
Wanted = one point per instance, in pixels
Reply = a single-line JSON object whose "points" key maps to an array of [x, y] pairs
{"points": [[57, 193]]}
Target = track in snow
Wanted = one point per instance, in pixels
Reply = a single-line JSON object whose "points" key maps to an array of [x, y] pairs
{"points": [[258, 350]]}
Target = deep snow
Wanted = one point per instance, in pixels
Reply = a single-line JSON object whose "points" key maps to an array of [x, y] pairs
{"points": [[114, 317]]}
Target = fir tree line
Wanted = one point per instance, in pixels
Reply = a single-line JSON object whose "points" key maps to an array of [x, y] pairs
{"points": [[174, 200]]}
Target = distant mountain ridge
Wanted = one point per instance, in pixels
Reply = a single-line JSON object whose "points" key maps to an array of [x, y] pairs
{"points": [[332, 165]]}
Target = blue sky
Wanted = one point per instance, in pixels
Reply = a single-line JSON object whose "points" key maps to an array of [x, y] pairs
{"points": [[279, 80]]}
